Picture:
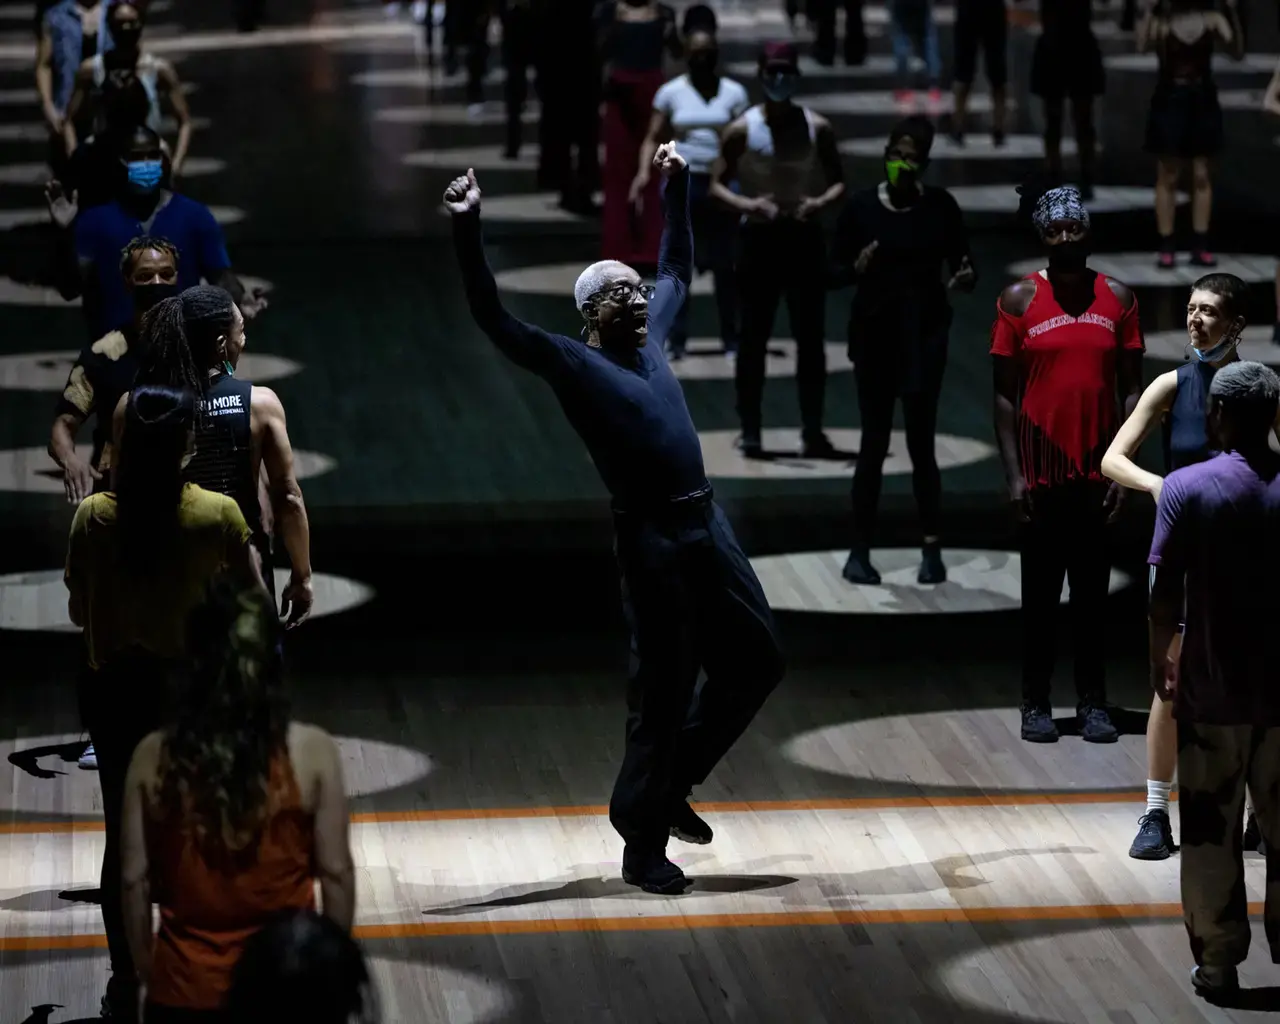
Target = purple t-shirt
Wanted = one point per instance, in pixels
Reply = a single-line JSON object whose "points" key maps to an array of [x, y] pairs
{"points": [[1218, 524]]}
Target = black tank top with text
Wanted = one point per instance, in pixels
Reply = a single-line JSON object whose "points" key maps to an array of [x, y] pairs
{"points": [[223, 461]]}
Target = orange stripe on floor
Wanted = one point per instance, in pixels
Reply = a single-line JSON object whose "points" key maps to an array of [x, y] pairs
{"points": [[871, 803], [1101, 912]]}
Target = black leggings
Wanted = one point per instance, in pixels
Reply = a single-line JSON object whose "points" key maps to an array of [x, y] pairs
{"points": [[876, 399], [1082, 115]]}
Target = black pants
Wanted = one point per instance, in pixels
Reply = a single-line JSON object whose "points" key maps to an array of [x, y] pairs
{"points": [[466, 26], [823, 15], [785, 258], [120, 704], [981, 25], [519, 48], [1067, 537], [692, 601], [877, 396], [569, 141]]}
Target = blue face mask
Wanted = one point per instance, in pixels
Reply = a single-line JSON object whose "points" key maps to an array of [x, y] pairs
{"points": [[145, 175], [780, 87], [1219, 351]]}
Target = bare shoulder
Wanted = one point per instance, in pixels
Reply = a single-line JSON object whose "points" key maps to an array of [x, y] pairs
{"points": [[311, 747], [145, 765], [1163, 388], [265, 402], [1016, 298], [1121, 291]]}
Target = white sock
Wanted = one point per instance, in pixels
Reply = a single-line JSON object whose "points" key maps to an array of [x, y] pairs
{"points": [[1158, 795]]}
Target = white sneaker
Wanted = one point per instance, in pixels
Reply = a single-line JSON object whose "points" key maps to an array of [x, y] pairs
{"points": [[89, 759]]}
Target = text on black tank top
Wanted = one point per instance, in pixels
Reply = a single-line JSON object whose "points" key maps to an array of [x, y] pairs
{"points": [[223, 461], [1186, 434]]}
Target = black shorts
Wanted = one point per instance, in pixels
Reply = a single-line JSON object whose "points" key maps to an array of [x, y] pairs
{"points": [[981, 24], [1185, 121]]}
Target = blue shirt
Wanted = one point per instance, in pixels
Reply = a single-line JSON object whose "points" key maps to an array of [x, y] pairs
{"points": [[628, 408], [102, 232]]}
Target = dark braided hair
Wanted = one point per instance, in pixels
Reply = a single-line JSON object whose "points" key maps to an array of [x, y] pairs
{"points": [[180, 335], [157, 429], [145, 243]]}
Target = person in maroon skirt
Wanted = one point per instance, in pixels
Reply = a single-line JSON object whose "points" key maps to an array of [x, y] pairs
{"points": [[634, 35], [1067, 349]]}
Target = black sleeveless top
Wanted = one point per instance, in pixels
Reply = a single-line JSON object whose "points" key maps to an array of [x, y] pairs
{"points": [[1186, 436], [223, 461]]}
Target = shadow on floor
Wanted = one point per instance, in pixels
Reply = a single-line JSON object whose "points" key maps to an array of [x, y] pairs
{"points": [[29, 760]]}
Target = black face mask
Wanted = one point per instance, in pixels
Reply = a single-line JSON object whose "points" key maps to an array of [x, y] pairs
{"points": [[145, 296], [704, 61], [1069, 256], [127, 38]]}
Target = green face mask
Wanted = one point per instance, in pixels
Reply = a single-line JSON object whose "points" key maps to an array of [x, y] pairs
{"points": [[900, 172]]}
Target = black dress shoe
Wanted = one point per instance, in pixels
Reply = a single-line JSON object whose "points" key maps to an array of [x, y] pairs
{"points": [[818, 446], [859, 570], [750, 447], [688, 827], [651, 871]]}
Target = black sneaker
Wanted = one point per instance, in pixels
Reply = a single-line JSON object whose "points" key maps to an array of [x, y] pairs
{"points": [[688, 827], [859, 570], [1215, 982], [818, 446], [932, 569], [750, 446], [1037, 725], [1253, 841], [1154, 840], [652, 872], [1096, 725]]}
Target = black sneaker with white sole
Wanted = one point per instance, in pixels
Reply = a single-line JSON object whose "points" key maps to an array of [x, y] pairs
{"points": [[688, 827], [1154, 840], [1037, 724], [1096, 725], [651, 871]]}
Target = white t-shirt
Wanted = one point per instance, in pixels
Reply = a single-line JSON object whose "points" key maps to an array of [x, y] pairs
{"points": [[697, 124]]}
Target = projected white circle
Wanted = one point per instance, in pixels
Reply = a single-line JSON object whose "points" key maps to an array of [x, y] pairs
{"points": [[559, 279], [965, 748], [37, 601], [47, 371], [1241, 99], [1106, 198], [784, 461], [36, 174], [368, 766], [1252, 63], [529, 208], [977, 146], [10, 219], [38, 131], [1139, 270], [451, 114], [1255, 345], [704, 359], [977, 581], [33, 471], [20, 293], [883, 101]]}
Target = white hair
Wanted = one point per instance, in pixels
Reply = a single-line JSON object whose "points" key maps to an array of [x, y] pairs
{"points": [[597, 276]]}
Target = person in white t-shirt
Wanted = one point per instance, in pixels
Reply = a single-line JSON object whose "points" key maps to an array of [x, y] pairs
{"points": [[694, 109]]}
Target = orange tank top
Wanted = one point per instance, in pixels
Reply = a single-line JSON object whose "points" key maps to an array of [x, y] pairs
{"points": [[208, 912]]}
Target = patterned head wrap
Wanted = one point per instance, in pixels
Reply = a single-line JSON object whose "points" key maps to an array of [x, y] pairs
{"points": [[1063, 203]]}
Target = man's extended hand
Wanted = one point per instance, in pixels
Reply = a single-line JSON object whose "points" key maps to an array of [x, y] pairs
{"points": [[62, 207], [77, 479], [296, 601], [668, 161], [463, 194], [965, 278], [1113, 502]]}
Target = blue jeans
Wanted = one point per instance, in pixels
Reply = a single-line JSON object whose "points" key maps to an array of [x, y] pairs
{"points": [[911, 27]]}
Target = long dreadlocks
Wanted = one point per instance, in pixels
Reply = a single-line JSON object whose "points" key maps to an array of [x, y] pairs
{"points": [[180, 337]]}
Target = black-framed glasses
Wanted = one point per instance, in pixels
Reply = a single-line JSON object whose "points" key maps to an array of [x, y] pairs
{"points": [[624, 293]]}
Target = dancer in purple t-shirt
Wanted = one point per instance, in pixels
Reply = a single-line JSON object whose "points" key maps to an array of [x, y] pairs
{"points": [[1214, 549]]}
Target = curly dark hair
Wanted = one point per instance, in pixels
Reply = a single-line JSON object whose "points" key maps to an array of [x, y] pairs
{"points": [[179, 342], [232, 721], [144, 243]]}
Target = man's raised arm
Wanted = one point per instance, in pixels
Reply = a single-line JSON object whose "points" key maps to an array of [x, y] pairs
{"points": [[675, 258], [524, 344]]}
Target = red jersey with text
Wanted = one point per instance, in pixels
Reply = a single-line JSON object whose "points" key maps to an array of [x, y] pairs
{"points": [[1067, 373]]}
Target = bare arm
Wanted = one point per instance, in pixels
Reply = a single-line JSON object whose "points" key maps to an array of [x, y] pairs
{"points": [[79, 96], [333, 862], [1271, 102], [117, 435], [1147, 30], [1164, 613], [1013, 302], [1118, 464], [832, 169], [286, 502], [172, 86], [44, 82], [78, 476], [732, 145], [134, 865]]}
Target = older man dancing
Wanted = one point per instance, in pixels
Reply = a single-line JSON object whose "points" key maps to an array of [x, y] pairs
{"points": [[690, 596]]}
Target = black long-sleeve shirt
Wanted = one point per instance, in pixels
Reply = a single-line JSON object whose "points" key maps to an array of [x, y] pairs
{"points": [[628, 407]]}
